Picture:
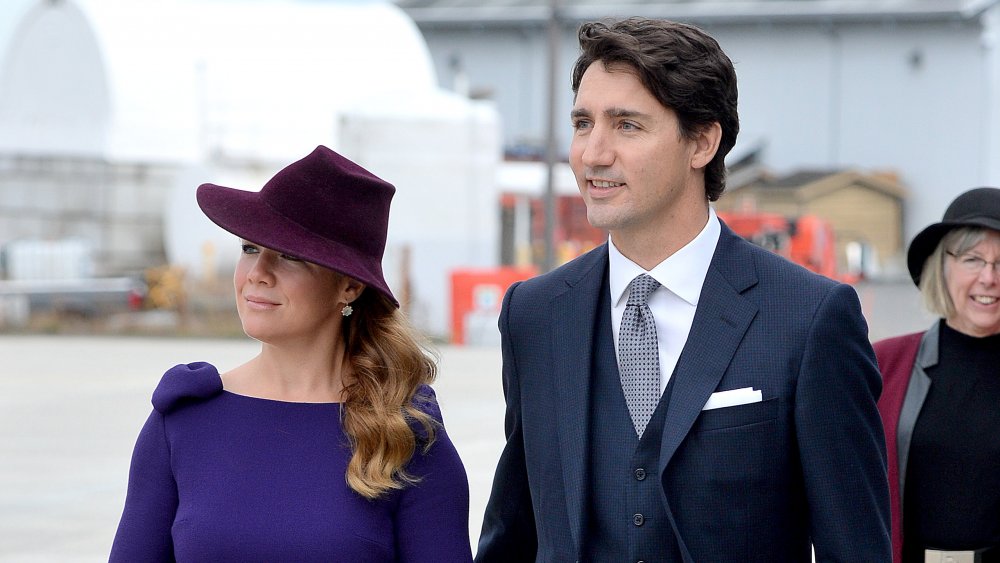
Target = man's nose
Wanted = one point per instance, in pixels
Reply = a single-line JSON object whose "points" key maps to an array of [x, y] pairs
{"points": [[599, 150]]}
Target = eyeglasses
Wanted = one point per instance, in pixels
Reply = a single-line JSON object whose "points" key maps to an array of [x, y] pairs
{"points": [[972, 263]]}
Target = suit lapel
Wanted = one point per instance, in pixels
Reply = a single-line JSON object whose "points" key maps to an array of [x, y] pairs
{"points": [[573, 326], [721, 320]]}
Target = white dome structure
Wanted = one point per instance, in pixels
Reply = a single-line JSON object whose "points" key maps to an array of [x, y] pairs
{"points": [[142, 100], [173, 79]]}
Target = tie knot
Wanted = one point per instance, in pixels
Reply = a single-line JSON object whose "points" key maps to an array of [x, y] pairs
{"points": [[642, 286]]}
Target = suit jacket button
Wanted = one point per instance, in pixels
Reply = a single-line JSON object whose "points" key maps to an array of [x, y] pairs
{"points": [[640, 474], [638, 519]]}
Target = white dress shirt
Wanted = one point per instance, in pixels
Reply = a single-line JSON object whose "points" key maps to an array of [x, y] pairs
{"points": [[673, 304]]}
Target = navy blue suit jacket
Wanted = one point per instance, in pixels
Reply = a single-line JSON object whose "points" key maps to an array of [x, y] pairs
{"points": [[755, 482]]}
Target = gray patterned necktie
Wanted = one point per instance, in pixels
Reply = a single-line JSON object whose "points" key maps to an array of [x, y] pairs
{"points": [[638, 357]]}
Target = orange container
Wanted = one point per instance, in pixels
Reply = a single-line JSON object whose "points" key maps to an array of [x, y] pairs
{"points": [[478, 293]]}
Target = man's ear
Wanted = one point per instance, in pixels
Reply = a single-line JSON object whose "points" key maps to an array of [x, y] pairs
{"points": [[706, 144]]}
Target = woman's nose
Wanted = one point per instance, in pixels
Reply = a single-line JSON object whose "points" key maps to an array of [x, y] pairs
{"points": [[262, 269]]}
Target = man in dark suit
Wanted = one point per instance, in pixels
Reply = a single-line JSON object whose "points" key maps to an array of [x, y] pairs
{"points": [[678, 394]]}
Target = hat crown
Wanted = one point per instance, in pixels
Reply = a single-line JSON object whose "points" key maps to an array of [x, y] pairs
{"points": [[975, 203], [334, 198]]}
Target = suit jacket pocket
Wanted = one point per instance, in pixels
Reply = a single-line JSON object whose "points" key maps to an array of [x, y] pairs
{"points": [[739, 415]]}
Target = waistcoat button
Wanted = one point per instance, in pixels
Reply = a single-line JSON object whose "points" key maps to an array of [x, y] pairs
{"points": [[638, 519], [640, 474]]}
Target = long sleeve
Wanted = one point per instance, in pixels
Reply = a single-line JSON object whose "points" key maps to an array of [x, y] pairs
{"points": [[432, 518], [840, 435], [896, 357], [151, 501], [509, 525]]}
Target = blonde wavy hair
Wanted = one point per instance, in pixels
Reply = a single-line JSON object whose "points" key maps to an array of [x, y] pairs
{"points": [[389, 362]]}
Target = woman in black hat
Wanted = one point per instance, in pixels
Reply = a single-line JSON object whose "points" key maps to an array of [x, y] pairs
{"points": [[941, 393], [328, 445]]}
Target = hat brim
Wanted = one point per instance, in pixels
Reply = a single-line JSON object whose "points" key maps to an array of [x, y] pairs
{"points": [[245, 215], [926, 241]]}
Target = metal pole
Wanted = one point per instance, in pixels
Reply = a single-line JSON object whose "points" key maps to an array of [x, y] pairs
{"points": [[551, 141]]}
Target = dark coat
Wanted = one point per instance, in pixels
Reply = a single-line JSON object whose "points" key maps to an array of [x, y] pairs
{"points": [[755, 482]]}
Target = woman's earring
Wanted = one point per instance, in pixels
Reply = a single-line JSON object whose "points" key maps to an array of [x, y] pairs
{"points": [[347, 310]]}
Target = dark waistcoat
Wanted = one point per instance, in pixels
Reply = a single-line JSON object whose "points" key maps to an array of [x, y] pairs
{"points": [[626, 520]]}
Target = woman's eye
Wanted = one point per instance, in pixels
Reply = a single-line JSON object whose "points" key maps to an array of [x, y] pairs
{"points": [[291, 258], [249, 249]]}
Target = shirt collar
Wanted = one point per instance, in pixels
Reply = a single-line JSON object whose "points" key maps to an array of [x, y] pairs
{"points": [[682, 273]]}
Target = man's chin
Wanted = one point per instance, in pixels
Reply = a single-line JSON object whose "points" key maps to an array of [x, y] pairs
{"points": [[602, 221]]}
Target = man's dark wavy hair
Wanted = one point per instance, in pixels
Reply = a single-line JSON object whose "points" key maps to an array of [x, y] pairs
{"points": [[681, 66]]}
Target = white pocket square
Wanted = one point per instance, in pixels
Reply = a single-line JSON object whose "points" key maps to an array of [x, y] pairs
{"points": [[732, 398]]}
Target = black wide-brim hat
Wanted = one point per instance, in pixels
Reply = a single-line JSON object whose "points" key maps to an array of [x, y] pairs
{"points": [[323, 209], [979, 207]]}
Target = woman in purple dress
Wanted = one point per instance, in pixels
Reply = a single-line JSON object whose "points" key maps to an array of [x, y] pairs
{"points": [[328, 445]]}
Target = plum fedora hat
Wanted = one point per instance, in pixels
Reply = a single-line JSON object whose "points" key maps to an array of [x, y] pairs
{"points": [[978, 207], [323, 209]]}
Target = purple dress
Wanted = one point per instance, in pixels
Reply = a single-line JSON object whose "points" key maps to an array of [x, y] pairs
{"points": [[217, 476]]}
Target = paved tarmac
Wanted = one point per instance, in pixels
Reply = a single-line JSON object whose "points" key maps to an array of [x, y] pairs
{"points": [[70, 409]]}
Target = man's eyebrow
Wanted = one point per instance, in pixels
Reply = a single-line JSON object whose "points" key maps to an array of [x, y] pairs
{"points": [[622, 112], [610, 112]]}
